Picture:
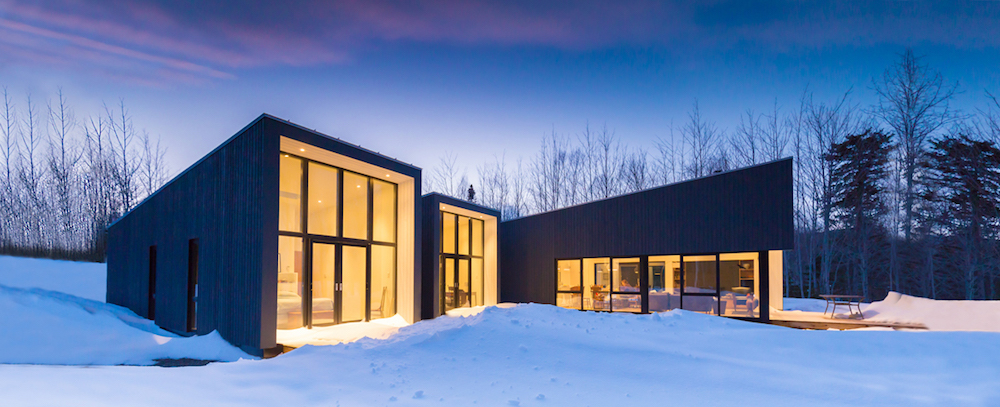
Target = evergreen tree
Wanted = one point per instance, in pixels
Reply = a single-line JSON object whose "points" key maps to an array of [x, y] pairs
{"points": [[965, 176], [858, 166]]}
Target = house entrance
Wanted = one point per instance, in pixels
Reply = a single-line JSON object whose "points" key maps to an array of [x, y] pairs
{"points": [[338, 284]]}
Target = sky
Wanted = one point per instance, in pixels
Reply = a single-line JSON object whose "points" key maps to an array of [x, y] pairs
{"points": [[478, 79]]}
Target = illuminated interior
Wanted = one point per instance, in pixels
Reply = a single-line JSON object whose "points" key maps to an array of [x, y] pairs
{"points": [[352, 257], [467, 269], [725, 284]]}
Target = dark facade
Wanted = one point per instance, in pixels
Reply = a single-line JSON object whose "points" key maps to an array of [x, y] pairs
{"points": [[217, 222], [746, 210], [431, 218]]}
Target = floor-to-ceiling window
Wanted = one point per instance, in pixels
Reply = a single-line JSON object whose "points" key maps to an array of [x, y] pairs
{"points": [[719, 284], [461, 261], [338, 262]]}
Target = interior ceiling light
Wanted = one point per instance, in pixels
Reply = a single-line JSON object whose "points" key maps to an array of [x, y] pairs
{"points": [[302, 149]]}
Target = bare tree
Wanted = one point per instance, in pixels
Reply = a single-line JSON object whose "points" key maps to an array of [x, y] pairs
{"points": [[63, 157], [30, 175], [668, 161], [775, 135], [494, 184], [122, 136], [9, 149], [914, 103], [747, 140], [549, 172], [607, 162], [635, 172], [152, 167], [702, 141]]}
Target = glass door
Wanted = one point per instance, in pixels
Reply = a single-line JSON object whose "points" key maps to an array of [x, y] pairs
{"points": [[324, 285], [339, 284], [353, 283]]}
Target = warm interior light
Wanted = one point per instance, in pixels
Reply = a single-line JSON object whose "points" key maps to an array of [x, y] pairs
{"points": [[286, 155], [319, 201], [359, 186], [302, 149], [387, 175]]}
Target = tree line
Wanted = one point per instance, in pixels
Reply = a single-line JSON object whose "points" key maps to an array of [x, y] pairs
{"points": [[900, 195], [64, 179]]}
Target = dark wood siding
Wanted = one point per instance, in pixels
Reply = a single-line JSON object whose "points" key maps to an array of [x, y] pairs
{"points": [[226, 201], [746, 210], [229, 202]]}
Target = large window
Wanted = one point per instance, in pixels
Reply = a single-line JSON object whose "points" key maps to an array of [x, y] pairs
{"points": [[719, 284], [461, 264], [738, 284], [338, 264]]}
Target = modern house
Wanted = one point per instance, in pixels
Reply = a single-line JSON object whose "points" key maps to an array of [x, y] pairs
{"points": [[285, 228]]}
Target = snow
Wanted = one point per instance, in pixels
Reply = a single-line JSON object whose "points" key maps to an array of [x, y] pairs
{"points": [[937, 315], [39, 325], [804, 304], [82, 279], [508, 355], [536, 355], [47, 327]]}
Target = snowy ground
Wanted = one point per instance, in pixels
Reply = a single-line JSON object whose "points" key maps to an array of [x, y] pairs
{"points": [[936, 315], [525, 355], [40, 326]]}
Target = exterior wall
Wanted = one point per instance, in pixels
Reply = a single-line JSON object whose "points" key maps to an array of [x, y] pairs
{"points": [[431, 219], [226, 201], [747, 210]]}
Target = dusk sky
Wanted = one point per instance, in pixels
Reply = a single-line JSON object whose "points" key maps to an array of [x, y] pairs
{"points": [[415, 79]]}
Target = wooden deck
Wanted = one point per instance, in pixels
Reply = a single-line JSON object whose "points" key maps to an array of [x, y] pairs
{"points": [[816, 320]]}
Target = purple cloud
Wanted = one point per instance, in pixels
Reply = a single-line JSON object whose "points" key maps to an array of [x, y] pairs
{"points": [[204, 41]]}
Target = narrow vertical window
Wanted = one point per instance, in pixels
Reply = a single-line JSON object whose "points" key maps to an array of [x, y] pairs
{"points": [[151, 307], [192, 288]]}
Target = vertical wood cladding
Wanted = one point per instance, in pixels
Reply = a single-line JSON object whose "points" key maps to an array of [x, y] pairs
{"points": [[229, 202], [226, 201], [746, 210]]}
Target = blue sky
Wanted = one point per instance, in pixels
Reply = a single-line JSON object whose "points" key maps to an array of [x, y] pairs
{"points": [[478, 78]]}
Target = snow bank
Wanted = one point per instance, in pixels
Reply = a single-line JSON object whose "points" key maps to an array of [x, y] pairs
{"points": [[538, 355], [803, 304], [47, 327], [937, 315], [82, 279]]}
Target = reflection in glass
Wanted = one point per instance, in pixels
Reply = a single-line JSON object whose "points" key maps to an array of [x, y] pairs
{"points": [[324, 262], [477, 237], [383, 290], [699, 274], [289, 194], [383, 211], [447, 233], [290, 282], [352, 288], [738, 284], [355, 206], [463, 235], [664, 283], [597, 284], [477, 282], [322, 200]]}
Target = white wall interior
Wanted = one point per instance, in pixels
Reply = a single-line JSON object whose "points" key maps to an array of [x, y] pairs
{"points": [[775, 264]]}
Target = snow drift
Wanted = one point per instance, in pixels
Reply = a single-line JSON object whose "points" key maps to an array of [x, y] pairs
{"points": [[48, 327], [937, 315], [537, 355]]}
